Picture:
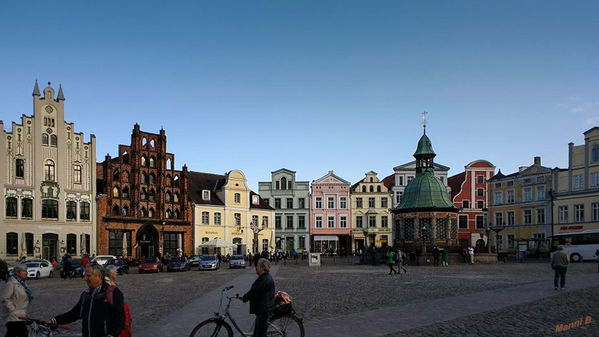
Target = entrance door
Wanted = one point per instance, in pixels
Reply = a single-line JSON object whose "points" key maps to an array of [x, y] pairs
{"points": [[147, 240], [50, 246], [289, 245]]}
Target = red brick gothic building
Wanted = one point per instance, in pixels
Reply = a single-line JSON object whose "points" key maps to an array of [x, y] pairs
{"points": [[143, 209]]}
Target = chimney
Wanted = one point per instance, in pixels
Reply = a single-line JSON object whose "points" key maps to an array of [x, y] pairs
{"points": [[538, 161]]}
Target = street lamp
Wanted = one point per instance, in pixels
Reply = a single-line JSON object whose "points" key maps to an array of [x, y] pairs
{"points": [[488, 232]]}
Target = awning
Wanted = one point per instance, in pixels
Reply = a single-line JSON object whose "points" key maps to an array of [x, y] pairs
{"points": [[326, 238]]}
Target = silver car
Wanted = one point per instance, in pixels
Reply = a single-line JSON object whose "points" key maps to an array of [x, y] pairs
{"points": [[208, 262], [237, 261]]}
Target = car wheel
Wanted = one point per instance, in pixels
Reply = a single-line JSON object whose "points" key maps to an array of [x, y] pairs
{"points": [[575, 257]]}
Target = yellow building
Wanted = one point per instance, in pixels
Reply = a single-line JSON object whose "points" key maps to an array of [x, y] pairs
{"points": [[519, 208], [576, 204], [371, 215], [225, 208]]}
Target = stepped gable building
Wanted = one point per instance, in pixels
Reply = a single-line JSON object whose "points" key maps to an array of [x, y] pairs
{"points": [[143, 208], [229, 217], [469, 194], [291, 200], [425, 216], [49, 176]]}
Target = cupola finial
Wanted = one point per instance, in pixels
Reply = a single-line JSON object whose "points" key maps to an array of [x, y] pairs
{"points": [[424, 113]]}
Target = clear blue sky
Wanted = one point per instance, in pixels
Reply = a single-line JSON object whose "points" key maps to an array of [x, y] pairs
{"points": [[313, 85]]}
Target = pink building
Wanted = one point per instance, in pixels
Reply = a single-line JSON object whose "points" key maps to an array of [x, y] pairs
{"points": [[330, 220]]}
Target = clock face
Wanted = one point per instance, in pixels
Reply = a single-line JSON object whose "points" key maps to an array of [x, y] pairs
{"points": [[49, 109]]}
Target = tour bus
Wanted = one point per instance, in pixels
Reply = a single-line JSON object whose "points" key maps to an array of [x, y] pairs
{"points": [[580, 246]]}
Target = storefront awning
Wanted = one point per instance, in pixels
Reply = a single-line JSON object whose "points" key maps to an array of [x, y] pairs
{"points": [[326, 238]]}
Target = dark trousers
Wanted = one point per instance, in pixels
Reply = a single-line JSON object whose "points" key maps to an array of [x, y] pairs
{"points": [[16, 329], [560, 275], [436, 260], [391, 269], [260, 325]]}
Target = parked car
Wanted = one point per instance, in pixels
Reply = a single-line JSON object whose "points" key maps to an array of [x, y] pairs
{"points": [[209, 262], [151, 264], [39, 269], [103, 259], [76, 268], [121, 267], [237, 261], [195, 260], [179, 264]]}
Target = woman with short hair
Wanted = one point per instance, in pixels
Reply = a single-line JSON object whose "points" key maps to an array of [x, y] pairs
{"points": [[16, 297]]}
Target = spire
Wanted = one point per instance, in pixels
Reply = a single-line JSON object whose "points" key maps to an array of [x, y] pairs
{"points": [[424, 113], [60, 94], [36, 90]]}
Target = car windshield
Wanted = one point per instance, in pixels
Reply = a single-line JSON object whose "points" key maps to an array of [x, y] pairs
{"points": [[152, 260], [178, 259], [237, 257], [33, 265], [76, 262], [208, 258]]}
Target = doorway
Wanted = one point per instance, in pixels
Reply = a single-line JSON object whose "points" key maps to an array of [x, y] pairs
{"points": [[49, 246], [147, 241]]}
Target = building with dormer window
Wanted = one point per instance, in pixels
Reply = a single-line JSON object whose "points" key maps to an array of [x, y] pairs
{"points": [[49, 173]]}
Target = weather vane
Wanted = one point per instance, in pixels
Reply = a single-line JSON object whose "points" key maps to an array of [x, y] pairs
{"points": [[424, 113]]}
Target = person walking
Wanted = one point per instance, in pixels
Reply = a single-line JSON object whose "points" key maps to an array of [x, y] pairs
{"points": [[436, 254], [391, 262], [471, 254], [559, 263], [445, 258], [16, 297], [398, 257], [261, 296]]}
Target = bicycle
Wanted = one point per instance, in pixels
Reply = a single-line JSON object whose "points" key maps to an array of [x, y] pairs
{"points": [[284, 324], [39, 328]]}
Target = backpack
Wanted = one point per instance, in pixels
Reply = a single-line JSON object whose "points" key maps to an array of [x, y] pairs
{"points": [[397, 257], [283, 303], [126, 332]]}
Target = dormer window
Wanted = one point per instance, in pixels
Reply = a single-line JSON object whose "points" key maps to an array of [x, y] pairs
{"points": [[205, 195], [255, 200]]}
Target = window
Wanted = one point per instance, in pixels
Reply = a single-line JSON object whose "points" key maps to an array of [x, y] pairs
{"points": [[217, 217], [45, 139], [527, 194], [318, 202], [400, 181], [511, 218], [151, 212], [540, 192], [84, 211], [498, 198], [510, 241], [302, 242], [53, 140], [578, 182], [265, 245], [331, 221], [169, 214], [267, 202], [480, 179], [72, 210], [29, 243], [510, 183], [277, 222], [384, 202], [499, 219], [277, 203], [301, 221], [176, 197], [540, 216], [254, 220], [463, 221], [595, 211], [371, 188], [363, 189], [499, 241], [125, 210], [115, 192], [144, 178], [595, 153], [277, 185], [289, 224], [142, 194], [11, 207], [171, 243], [289, 202], [372, 221], [49, 170], [205, 218], [370, 202], [358, 202], [255, 200], [562, 214], [594, 179], [125, 193], [12, 243], [343, 221], [142, 212], [319, 221], [579, 213], [144, 161], [205, 249], [72, 244], [331, 202], [283, 183], [509, 196], [480, 204], [497, 185], [237, 198], [26, 208], [20, 168], [176, 182], [152, 162], [359, 221], [527, 217], [265, 222], [479, 221], [301, 202], [151, 195], [480, 192], [237, 217], [385, 221], [49, 209], [465, 204], [152, 179]]}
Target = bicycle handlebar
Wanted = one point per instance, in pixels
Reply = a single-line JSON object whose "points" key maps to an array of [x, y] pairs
{"points": [[30, 321]]}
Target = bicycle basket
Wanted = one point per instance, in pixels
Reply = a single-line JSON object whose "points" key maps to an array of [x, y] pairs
{"points": [[283, 303]]}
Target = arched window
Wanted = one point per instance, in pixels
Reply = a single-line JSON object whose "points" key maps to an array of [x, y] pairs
{"points": [[116, 210], [71, 210], [176, 181], [283, 183], [169, 213], [142, 212], [72, 244], [144, 161], [20, 168], [142, 194], [176, 197], [116, 174], [371, 188], [12, 243], [144, 178], [11, 206], [115, 192], [125, 157], [144, 141], [125, 210], [152, 178], [176, 213], [151, 195], [125, 192], [169, 164], [167, 196], [152, 162], [151, 213], [152, 143], [53, 140], [378, 188], [45, 139], [49, 170], [363, 188]]}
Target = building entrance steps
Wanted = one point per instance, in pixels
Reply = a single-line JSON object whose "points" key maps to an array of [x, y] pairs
{"points": [[402, 318], [183, 320]]}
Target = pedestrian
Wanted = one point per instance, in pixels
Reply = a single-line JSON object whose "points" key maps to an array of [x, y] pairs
{"points": [[471, 254], [256, 258], [398, 257], [99, 317], [465, 254], [84, 261], [16, 297], [445, 258], [261, 296], [418, 252], [436, 254], [3, 270], [559, 263], [294, 254], [250, 257], [391, 262], [111, 274], [66, 267]]}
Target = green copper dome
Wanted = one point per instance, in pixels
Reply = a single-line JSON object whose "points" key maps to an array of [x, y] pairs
{"points": [[425, 147], [425, 193]]}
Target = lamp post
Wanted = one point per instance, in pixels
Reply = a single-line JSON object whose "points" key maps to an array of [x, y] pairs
{"points": [[256, 230], [488, 232]]}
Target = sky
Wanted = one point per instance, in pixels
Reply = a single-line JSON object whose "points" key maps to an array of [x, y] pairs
{"points": [[313, 86]]}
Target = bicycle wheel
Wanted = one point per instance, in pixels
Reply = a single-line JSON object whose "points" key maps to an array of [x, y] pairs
{"points": [[285, 325], [212, 328]]}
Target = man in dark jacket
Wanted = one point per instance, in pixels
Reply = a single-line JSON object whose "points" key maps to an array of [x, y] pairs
{"points": [[100, 316], [261, 297]]}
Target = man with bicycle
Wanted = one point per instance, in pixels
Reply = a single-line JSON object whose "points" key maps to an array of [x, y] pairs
{"points": [[100, 317], [261, 296]]}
